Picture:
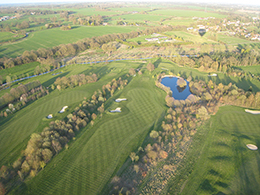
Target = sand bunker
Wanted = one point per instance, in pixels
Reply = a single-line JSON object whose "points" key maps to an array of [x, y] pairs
{"points": [[116, 110], [252, 111], [63, 109], [49, 116], [120, 99], [251, 147]]}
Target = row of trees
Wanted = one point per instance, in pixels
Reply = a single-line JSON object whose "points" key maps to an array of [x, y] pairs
{"points": [[74, 80], [221, 61], [42, 147], [15, 93], [73, 48], [25, 98]]}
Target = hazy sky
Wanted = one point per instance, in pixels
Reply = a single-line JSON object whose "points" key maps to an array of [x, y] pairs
{"points": [[249, 2]]}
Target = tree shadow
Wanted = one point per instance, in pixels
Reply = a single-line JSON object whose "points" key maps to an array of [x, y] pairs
{"points": [[157, 62], [220, 157], [205, 185], [221, 184]]}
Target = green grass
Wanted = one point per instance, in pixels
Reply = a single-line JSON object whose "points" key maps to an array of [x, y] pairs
{"points": [[225, 165], [140, 17], [53, 37], [232, 40], [181, 22], [20, 70], [130, 9], [99, 151], [252, 69], [92, 11], [187, 13], [7, 36], [190, 37]]}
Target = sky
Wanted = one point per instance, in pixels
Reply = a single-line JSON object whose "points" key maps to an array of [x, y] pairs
{"points": [[242, 2]]}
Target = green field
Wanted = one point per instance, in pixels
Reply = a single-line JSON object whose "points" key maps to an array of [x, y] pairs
{"points": [[54, 37], [190, 37], [181, 22], [20, 70], [130, 9], [7, 36], [140, 17], [187, 13], [99, 151], [224, 164], [252, 69], [91, 12], [233, 40]]}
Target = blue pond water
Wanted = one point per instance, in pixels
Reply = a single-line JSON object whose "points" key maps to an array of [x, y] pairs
{"points": [[177, 92]]}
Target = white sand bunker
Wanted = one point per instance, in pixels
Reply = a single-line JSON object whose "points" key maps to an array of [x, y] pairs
{"points": [[252, 111], [116, 110], [120, 99], [49, 116], [63, 109], [251, 147]]}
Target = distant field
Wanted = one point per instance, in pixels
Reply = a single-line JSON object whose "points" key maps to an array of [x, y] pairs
{"points": [[53, 37], [224, 164], [232, 40], [140, 17], [91, 11], [130, 9], [190, 37], [187, 13], [181, 22]]}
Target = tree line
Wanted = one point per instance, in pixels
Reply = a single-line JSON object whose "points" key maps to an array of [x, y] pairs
{"points": [[15, 93], [73, 48]]}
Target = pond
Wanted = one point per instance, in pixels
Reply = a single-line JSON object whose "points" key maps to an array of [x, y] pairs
{"points": [[177, 92]]}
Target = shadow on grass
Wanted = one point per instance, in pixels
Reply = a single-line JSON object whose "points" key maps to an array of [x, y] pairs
{"points": [[215, 173], [206, 186], [157, 62], [221, 184], [219, 157]]}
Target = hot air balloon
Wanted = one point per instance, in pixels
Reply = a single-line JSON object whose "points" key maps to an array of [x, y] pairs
{"points": [[202, 31]]}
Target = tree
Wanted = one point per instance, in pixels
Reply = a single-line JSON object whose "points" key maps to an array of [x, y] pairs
{"points": [[132, 71], [2, 189], [150, 67], [154, 134], [8, 79]]}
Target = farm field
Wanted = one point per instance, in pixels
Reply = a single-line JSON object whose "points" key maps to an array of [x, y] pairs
{"points": [[190, 37], [232, 40], [98, 151], [140, 17], [186, 13], [52, 37], [225, 165], [91, 12], [181, 22]]}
